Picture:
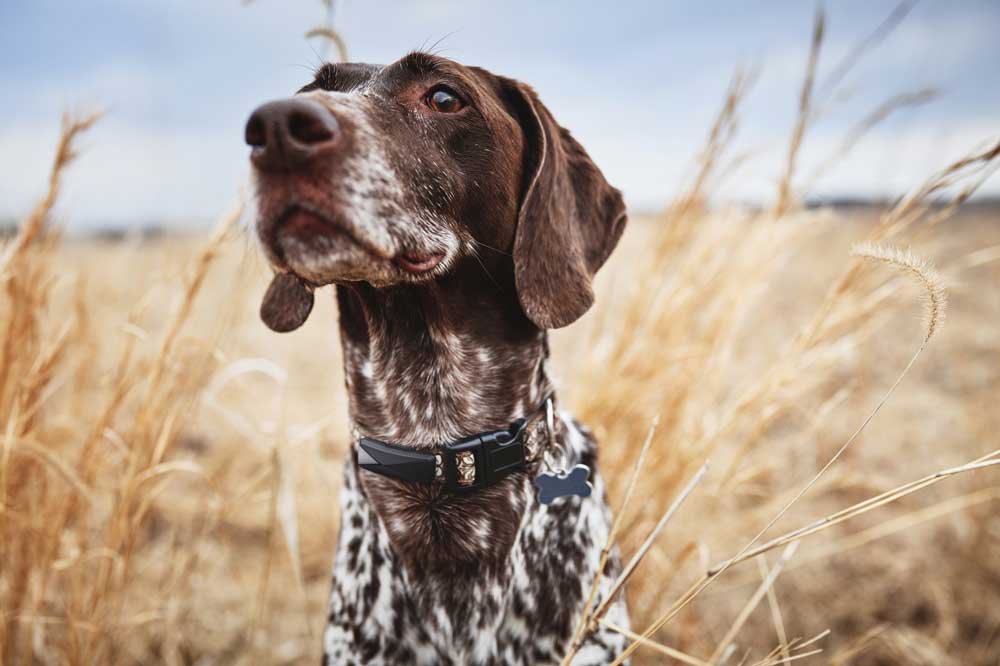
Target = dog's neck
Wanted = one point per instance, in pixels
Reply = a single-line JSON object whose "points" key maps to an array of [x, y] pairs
{"points": [[427, 364]]}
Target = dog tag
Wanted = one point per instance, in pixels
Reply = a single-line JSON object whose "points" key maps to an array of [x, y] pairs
{"points": [[286, 304], [553, 486]]}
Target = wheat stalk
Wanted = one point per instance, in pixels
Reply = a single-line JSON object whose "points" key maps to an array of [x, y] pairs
{"points": [[805, 112]]}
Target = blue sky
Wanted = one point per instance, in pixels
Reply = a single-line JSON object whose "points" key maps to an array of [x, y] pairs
{"points": [[637, 81]]}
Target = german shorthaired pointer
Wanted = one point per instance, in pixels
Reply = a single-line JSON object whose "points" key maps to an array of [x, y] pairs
{"points": [[458, 222]]}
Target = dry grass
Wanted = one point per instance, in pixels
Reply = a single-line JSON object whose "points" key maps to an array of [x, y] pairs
{"points": [[169, 468]]}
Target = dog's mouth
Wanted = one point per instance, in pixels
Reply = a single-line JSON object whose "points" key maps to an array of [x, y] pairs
{"points": [[300, 237], [311, 248], [303, 222], [417, 263], [302, 233]]}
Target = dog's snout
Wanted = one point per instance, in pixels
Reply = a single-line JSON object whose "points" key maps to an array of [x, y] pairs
{"points": [[288, 132]]}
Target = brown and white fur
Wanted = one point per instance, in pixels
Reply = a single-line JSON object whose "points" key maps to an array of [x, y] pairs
{"points": [[458, 222]]}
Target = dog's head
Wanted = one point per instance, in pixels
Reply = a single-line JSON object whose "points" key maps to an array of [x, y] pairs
{"points": [[396, 174]]}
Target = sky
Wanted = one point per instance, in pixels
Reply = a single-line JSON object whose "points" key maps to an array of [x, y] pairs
{"points": [[638, 82]]}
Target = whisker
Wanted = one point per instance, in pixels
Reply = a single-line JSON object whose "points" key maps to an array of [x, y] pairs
{"points": [[485, 270], [433, 50], [490, 247]]}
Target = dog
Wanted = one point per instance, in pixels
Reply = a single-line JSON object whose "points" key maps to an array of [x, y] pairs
{"points": [[458, 223]]}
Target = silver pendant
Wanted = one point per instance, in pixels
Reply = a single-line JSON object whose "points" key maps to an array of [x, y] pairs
{"points": [[553, 486]]}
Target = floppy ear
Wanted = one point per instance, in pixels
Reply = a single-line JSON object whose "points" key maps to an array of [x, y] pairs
{"points": [[569, 222]]}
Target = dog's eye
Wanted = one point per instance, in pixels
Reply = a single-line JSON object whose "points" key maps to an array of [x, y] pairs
{"points": [[443, 100]]}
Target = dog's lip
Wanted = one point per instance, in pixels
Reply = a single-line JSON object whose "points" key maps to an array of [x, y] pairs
{"points": [[413, 262], [418, 262], [298, 215]]}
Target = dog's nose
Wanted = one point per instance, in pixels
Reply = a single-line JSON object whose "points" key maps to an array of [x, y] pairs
{"points": [[286, 133]]}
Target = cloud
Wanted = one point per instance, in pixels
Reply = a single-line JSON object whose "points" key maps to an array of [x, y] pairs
{"points": [[126, 175], [639, 87]]}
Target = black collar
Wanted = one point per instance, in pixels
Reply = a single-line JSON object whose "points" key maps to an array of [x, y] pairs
{"points": [[464, 465]]}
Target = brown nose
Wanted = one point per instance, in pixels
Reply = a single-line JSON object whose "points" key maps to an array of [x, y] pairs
{"points": [[286, 133]]}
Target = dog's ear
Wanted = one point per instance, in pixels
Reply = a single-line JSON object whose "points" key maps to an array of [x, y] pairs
{"points": [[569, 221]]}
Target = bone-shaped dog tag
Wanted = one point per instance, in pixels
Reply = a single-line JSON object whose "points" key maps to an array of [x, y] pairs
{"points": [[553, 486]]}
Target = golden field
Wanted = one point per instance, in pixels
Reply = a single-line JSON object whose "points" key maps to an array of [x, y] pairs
{"points": [[169, 468]]}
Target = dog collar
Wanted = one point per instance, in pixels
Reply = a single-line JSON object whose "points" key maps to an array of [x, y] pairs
{"points": [[464, 465]]}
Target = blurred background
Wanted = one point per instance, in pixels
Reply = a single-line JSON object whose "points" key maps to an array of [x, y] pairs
{"points": [[170, 468], [637, 82]]}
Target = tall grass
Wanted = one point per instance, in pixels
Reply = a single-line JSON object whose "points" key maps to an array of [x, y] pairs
{"points": [[663, 348], [76, 492], [168, 469]]}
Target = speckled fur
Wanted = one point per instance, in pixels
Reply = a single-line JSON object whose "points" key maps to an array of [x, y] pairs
{"points": [[425, 577], [522, 219], [383, 612]]}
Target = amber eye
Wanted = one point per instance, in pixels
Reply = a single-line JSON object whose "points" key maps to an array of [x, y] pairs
{"points": [[443, 100]]}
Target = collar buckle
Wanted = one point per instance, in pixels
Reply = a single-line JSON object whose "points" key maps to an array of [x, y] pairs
{"points": [[483, 459]]}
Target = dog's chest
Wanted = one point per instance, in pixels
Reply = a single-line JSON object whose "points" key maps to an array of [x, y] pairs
{"points": [[521, 612], [427, 384]]}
